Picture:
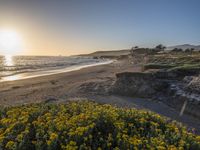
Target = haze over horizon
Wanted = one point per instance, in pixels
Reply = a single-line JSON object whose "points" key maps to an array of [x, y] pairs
{"points": [[49, 27]]}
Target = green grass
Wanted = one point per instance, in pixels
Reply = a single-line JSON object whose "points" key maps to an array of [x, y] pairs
{"points": [[88, 125], [174, 62], [186, 67]]}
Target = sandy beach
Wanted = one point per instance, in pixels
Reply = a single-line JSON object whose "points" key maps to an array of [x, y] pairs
{"points": [[81, 84], [58, 86]]}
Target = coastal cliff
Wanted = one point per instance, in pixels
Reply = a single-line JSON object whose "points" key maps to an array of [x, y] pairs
{"points": [[138, 84]]}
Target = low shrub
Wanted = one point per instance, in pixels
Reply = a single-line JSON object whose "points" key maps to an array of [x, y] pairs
{"points": [[88, 125]]}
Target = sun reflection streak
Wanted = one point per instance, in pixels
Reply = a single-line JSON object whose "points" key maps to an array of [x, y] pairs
{"points": [[12, 78], [8, 63], [8, 60]]}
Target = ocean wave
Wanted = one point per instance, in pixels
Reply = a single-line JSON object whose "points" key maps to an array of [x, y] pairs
{"points": [[12, 65]]}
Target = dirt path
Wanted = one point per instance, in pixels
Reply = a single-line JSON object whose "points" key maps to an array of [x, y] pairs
{"points": [[154, 106]]}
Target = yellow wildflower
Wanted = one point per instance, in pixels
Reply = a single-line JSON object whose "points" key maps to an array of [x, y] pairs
{"points": [[10, 145]]}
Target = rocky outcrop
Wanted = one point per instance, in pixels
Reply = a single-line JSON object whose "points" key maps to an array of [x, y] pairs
{"points": [[194, 84], [138, 84], [161, 86], [184, 91]]}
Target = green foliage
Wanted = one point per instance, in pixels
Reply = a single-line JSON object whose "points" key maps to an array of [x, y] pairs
{"points": [[187, 67], [88, 125], [174, 62]]}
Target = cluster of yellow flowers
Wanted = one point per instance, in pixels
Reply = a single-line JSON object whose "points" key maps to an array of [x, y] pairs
{"points": [[88, 125]]}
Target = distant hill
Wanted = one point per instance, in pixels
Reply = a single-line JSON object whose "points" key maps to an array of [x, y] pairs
{"points": [[184, 47], [113, 53], [125, 52]]}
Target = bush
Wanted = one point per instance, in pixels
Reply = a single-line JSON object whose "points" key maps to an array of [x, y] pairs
{"points": [[160, 47], [88, 125]]}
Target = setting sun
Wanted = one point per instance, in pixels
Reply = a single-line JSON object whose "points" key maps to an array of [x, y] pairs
{"points": [[10, 42]]}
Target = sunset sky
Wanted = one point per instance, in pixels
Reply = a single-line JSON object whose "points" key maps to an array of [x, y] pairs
{"points": [[66, 27]]}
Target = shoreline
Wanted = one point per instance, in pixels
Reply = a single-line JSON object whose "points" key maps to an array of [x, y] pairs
{"points": [[61, 85], [35, 74]]}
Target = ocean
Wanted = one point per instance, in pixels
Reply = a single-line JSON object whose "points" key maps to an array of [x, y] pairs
{"points": [[21, 67]]}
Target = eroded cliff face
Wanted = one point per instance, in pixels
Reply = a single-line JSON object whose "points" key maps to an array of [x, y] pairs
{"points": [[138, 84], [161, 86]]}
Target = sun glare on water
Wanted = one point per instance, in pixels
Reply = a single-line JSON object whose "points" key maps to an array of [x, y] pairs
{"points": [[10, 42], [8, 60]]}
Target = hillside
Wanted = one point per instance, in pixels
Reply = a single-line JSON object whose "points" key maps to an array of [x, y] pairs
{"points": [[111, 53]]}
